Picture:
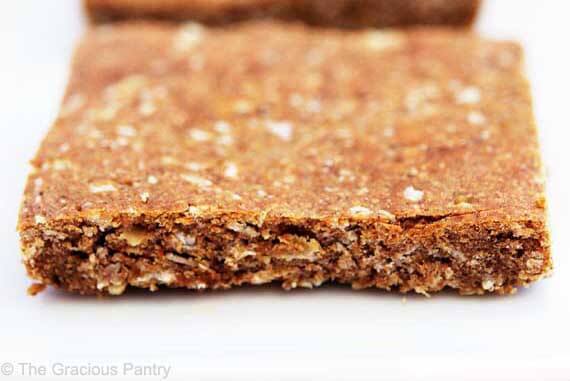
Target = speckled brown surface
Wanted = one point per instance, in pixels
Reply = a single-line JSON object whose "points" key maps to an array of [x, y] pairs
{"points": [[343, 13], [209, 158]]}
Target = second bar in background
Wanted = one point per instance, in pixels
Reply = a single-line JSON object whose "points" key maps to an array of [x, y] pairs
{"points": [[334, 13]]}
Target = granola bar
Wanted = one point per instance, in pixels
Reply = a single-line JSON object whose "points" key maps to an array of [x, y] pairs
{"points": [[211, 158], [343, 13]]}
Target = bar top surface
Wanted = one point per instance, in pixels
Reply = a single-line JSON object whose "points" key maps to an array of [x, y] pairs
{"points": [[288, 121]]}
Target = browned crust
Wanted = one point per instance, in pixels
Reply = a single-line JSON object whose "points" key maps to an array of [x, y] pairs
{"points": [[265, 152], [338, 13]]}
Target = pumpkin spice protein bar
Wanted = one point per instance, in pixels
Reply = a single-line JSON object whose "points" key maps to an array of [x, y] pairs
{"points": [[211, 158], [336, 13]]}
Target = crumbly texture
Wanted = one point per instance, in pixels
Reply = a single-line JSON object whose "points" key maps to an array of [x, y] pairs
{"points": [[210, 158], [336, 13]]}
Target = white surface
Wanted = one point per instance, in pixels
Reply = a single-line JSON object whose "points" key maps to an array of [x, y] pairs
{"points": [[255, 333]]}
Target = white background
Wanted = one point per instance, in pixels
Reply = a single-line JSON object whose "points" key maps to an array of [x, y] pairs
{"points": [[257, 333]]}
